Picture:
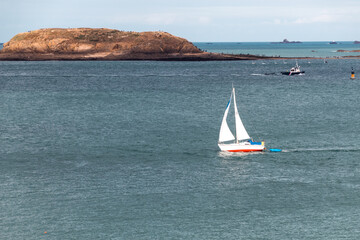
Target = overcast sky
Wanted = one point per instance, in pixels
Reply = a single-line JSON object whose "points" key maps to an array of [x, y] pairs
{"points": [[195, 20]]}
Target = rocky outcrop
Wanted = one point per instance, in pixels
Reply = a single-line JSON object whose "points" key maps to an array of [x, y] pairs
{"points": [[104, 44], [347, 50], [88, 40], [287, 41]]}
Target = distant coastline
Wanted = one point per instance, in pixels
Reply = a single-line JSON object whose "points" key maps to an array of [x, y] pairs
{"points": [[348, 50], [307, 49]]}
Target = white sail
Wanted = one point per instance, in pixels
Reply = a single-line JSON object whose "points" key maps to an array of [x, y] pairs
{"points": [[241, 133], [225, 133]]}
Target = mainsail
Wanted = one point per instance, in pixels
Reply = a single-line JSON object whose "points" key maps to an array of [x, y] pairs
{"points": [[241, 133], [225, 132]]}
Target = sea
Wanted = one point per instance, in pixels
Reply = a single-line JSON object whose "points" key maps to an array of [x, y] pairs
{"points": [[128, 149]]}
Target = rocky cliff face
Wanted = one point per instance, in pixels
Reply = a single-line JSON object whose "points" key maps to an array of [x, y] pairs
{"points": [[101, 40]]}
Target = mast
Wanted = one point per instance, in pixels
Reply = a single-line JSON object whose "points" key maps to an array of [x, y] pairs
{"points": [[236, 114]]}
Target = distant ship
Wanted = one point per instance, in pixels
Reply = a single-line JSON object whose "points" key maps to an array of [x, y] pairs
{"points": [[287, 41], [333, 42], [356, 42]]}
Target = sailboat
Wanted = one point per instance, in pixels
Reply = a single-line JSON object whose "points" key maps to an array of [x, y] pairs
{"points": [[242, 142]]}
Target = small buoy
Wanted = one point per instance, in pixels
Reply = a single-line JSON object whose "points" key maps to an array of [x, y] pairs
{"points": [[275, 150], [352, 75]]}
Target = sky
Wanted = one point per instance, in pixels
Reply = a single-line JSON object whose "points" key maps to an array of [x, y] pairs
{"points": [[195, 20]]}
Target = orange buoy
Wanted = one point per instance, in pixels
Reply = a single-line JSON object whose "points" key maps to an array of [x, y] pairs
{"points": [[352, 74]]}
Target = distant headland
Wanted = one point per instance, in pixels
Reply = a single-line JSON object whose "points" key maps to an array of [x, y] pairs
{"points": [[106, 44]]}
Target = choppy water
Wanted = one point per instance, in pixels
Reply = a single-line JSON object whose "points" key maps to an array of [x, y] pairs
{"points": [[128, 150]]}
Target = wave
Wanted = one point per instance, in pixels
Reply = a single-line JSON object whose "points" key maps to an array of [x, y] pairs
{"points": [[263, 74], [107, 75], [329, 149], [243, 154]]}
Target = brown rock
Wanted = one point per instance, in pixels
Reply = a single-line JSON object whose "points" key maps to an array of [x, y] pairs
{"points": [[90, 40], [348, 50], [106, 44]]}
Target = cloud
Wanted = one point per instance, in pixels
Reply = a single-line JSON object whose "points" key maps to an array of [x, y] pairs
{"points": [[325, 18], [204, 19]]}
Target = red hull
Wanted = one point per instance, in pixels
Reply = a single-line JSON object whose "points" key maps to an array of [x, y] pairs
{"points": [[246, 150]]}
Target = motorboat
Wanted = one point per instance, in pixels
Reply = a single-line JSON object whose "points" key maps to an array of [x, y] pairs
{"points": [[293, 71]]}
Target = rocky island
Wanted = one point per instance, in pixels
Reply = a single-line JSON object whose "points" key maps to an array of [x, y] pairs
{"points": [[286, 41], [106, 44]]}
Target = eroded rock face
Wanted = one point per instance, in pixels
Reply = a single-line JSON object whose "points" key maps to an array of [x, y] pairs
{"points": [[97, 40]]}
